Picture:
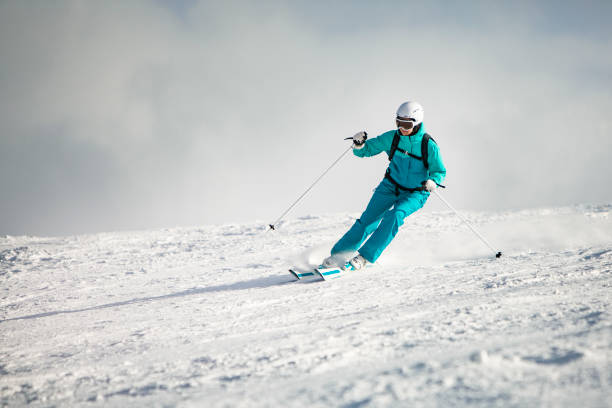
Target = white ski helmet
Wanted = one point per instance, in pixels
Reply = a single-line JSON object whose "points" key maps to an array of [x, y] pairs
{"points": [[411, 110]]}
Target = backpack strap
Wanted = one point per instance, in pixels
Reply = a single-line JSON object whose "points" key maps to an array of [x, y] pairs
{"points": [[396, 140], [424, 150], [399, 187]]}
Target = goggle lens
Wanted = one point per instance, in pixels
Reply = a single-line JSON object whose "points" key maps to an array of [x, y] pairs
{"points": [[406, 124]]}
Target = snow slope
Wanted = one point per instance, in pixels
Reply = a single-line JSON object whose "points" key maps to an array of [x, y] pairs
{"points": [[208, 316]]}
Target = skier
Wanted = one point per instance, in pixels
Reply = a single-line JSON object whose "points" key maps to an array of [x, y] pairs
{"points": [[415, 169]]}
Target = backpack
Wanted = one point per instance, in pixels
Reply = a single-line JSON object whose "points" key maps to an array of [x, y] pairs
{"points": [[424, 153]]}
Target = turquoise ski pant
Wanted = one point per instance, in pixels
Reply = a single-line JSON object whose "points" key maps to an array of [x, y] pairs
{"points": [[380, 221]]}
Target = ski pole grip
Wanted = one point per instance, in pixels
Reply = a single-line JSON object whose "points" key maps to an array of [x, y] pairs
{"points": [[365, 137]]}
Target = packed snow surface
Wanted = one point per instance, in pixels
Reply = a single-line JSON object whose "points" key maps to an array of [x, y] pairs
{"points": [[209, 317]]}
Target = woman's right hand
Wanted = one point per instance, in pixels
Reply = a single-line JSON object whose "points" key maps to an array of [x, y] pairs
{"points": [[359, 139]]}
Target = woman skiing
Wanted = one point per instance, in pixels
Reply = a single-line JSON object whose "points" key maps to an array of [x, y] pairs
{"points": [[415, 169]]}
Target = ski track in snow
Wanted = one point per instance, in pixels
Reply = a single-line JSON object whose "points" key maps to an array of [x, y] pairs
{"points": [[209, 316]]}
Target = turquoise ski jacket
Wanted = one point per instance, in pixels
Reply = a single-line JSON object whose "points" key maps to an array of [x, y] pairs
{"points": [[407, 171]]}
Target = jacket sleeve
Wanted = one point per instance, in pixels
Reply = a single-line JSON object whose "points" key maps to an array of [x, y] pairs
{"points": [[437, 171], [375, 146]]}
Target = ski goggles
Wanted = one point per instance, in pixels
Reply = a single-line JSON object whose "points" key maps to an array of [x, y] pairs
{"points": [[404, 123]]}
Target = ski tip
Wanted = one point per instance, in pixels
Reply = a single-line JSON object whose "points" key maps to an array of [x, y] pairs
{"points": [[301, 274], [330, 273]]}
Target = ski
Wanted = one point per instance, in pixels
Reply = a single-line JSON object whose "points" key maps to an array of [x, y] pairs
{"points": [[302, 274], [320, 272], [333, 273]]}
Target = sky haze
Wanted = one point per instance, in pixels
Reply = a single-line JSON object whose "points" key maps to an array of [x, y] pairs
{"points": [[147, 114]]}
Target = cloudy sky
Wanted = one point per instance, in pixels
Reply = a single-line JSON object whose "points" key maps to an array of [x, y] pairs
{"points": [[122, 115]]}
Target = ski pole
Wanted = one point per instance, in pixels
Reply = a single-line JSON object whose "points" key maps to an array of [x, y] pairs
{"points": [[497, 253], [273, 225]]}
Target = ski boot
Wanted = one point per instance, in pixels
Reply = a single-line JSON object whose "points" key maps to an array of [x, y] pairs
{"points": [[358, 262]]}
